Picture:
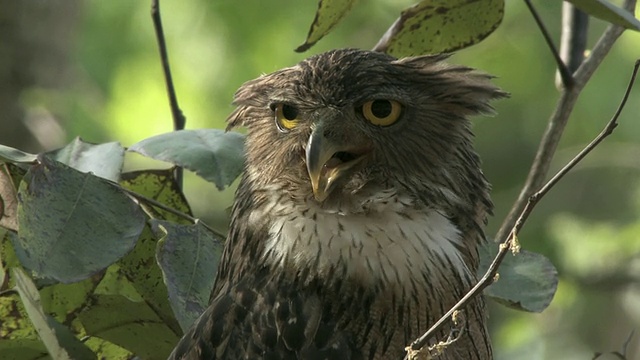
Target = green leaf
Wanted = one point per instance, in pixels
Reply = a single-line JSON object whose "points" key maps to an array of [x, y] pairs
{"points": [[140, 266], [115, 283], [329, 13], [103, 160], [107, 350], [130, 325], [59, 341], [15, 324], [188, 257], [23, 349], [527, 281], [604, 10], [160, 186], [10, 154], [64, 301], [72, 224], [215, 155], [436, 26]]}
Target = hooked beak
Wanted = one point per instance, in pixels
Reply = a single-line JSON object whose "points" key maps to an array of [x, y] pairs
{"points": [[328, 161]]}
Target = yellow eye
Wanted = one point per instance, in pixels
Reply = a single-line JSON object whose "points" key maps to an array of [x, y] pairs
{"points": [[382, 112], [286, 117]]}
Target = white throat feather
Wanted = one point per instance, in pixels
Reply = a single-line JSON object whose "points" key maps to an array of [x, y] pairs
{"points": [[392, 241]]}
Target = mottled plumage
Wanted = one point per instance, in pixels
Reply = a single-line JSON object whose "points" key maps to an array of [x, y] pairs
{"points": [[357, 222]]}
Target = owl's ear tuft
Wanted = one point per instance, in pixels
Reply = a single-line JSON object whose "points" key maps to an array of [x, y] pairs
{"points": [[250, 95], [235, 119], [456, 89]]}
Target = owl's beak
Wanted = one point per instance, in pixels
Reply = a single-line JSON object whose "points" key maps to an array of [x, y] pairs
{"points": [[328, 161]]}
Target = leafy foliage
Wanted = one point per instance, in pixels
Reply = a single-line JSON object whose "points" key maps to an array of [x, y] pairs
{"points": [[213, 154], [113, 264]]}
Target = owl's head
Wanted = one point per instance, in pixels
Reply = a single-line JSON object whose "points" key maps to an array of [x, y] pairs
{"points": [[349, 124]]}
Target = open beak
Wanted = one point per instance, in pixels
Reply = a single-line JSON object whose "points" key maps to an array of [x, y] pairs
{"points": [[328, 161]]}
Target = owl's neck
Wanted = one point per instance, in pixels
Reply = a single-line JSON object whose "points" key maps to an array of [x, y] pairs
{"points": [[390, 243]]}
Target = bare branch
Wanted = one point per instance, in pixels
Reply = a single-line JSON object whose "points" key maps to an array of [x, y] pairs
{"points": [[558, 121], [179, 119], [511, 241], [138, 198], [573, 41], [565, 74]]}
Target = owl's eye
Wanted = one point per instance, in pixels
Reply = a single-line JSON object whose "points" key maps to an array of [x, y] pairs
{"points": [[382, 112], [286, 116]]}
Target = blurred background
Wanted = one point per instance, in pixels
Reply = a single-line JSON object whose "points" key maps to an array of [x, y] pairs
{"points": [[91, 69]]}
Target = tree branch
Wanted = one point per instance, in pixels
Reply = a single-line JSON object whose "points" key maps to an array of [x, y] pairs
{"points": [[573, 42], [511, 242], [179, 119], [558, 121], [565, 74]]}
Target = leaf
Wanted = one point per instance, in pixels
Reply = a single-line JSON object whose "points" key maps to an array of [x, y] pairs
{"points": [[329, 13], [8, 260], [160, 186], [72, 224], [215, 155], [140, 265], [107, 350], [15, 322], [64, 301], [527, 281], [131, 325], [103, 160], [22, 349], [604, 10], [8, 199], [59, 341], [16, 156], [436, 26], [188, 257]]}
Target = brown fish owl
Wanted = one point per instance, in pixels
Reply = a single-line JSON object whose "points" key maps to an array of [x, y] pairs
{"points": [[358, 218]]}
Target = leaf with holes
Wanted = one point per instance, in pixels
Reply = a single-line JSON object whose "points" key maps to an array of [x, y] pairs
{"points": [[436, 26], [329, 13], [140, 265]]}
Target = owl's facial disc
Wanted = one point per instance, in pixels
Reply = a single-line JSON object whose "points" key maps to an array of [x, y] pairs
{"points": [[328, 161]]}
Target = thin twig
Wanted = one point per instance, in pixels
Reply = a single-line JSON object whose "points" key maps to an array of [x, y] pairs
{"points": [[179, 119], [138, 197], [506, 245], [565, 74], [558, 121]]}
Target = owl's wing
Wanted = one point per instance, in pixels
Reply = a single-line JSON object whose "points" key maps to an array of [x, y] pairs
{"points": [[264, 319]]}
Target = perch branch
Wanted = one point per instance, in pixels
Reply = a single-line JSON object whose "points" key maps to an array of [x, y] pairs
{"points": [[565, 74], [573, 42], [141, 198], [510, 243], [558, 121], [179, 119]]}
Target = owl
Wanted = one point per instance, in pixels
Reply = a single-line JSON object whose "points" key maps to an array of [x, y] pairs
{"points": [[357, 221]]}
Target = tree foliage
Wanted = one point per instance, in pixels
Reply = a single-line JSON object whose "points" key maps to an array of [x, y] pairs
{"points": [[103, 262]]}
